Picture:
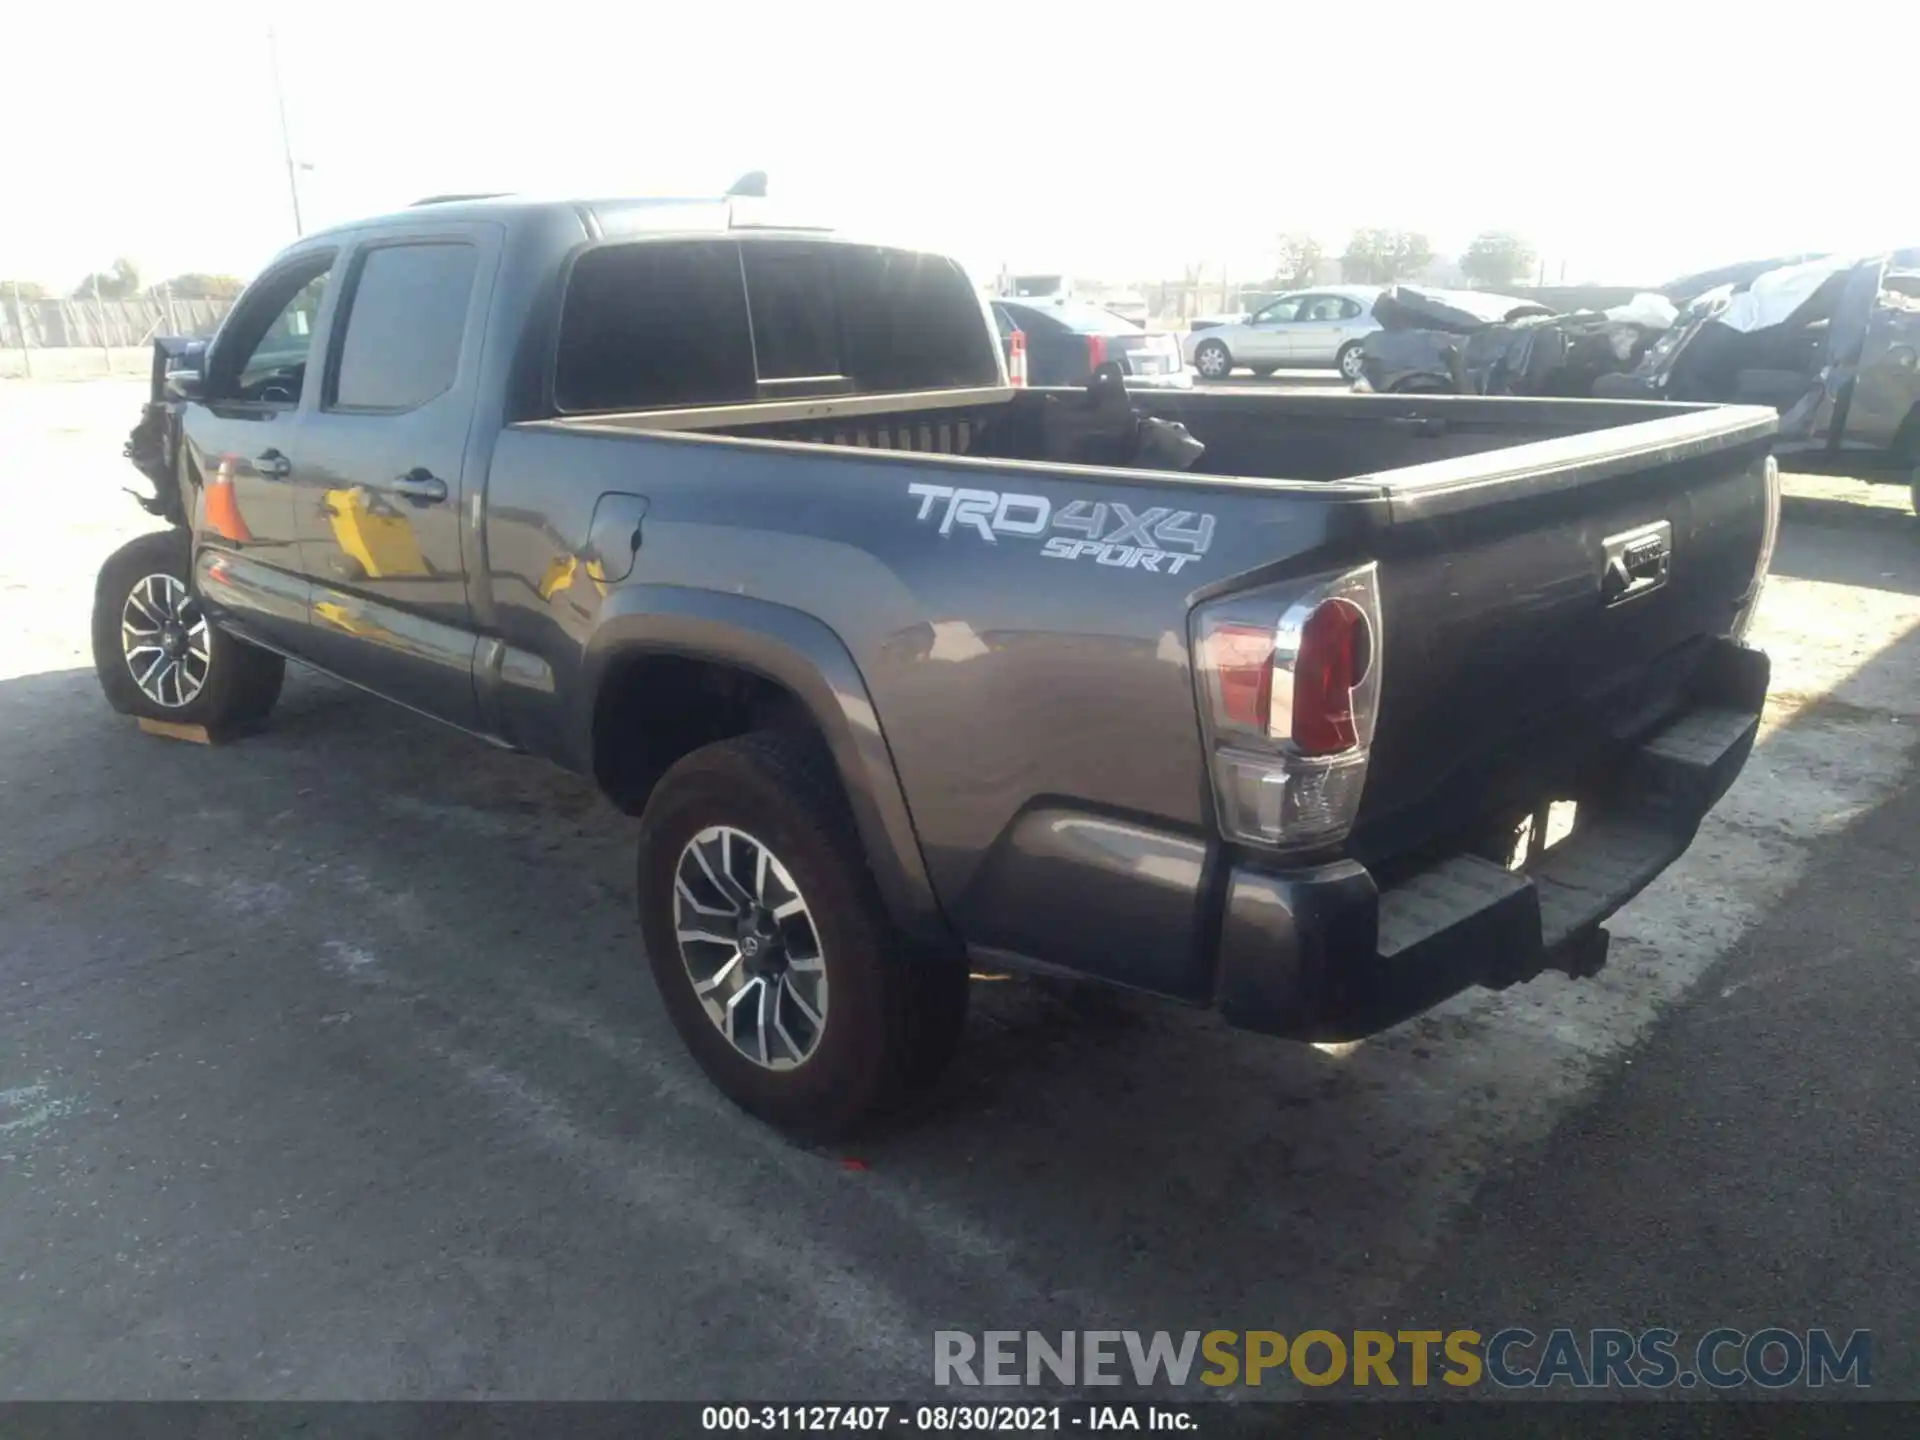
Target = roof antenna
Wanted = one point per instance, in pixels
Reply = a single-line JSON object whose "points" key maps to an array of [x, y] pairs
{"points": [[753, 183]]}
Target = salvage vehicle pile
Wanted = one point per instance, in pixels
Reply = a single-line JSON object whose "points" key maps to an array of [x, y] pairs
{"points": [[1473, 343], [1829, 342]]}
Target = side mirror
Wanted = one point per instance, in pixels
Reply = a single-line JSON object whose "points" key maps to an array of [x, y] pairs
{"points": [[185, 385]]}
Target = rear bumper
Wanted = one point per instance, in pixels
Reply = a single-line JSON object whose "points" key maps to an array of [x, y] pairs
{"points": [[1328, 954]]}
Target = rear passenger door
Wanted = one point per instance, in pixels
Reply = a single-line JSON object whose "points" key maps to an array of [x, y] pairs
{"points": [[1325, 322], [381, 477]]}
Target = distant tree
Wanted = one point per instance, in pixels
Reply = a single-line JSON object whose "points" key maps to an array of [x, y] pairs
{"points": [[122, 282], [1296, 261], [1380, 257], [25, 289], [1496, 259], [194, 285]]}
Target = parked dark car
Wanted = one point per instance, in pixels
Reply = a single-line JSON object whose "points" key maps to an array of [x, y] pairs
{"points": [[1067, 340], [1249, 700]]}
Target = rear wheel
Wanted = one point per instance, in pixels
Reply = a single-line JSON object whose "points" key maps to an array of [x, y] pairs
{"points": [[156, 653], [1349, 360], [1211, 359], [770, 946]]}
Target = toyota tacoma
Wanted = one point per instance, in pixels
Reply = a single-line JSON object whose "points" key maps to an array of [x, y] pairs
{"points": [[1248, 700]]}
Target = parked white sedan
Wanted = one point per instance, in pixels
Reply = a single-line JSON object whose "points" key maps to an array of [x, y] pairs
{"points": [[1306, 328]]}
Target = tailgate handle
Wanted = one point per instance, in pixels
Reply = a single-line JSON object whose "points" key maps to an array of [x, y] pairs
{"points": [[1638, 561]]}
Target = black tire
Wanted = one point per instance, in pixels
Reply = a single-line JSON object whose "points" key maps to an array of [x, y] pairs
{"points": [[1214, 353], [238, 682], [1347, 362], [894, 1010]]}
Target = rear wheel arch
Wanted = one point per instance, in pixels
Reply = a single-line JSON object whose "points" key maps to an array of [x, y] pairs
{"points": [[680, 669]]}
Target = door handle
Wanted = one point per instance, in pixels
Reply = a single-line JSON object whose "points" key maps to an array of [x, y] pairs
{"points": [[420, 486], [272, 465]]}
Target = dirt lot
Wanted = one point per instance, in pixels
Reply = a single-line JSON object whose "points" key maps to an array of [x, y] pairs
{"points": [[328, 1066]]}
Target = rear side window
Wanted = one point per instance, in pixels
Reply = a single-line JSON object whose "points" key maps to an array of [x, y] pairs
{"points": [[1084, 319], [652, 325], [1032, 321], [406, 317]]}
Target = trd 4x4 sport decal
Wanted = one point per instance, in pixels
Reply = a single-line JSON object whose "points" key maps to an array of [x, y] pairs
{"points": [[1159, 539]]}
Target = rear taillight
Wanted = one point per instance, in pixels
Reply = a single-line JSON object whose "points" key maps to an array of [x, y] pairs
{"points": [[1335, 647], [1289, 690], [1017, 358], [1096, 351]]}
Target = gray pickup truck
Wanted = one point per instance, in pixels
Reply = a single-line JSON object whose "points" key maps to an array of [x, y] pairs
{"points": [[1253, 701]]}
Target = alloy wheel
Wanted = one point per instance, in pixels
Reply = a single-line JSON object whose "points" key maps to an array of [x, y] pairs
{"points": [[166, 641], [750, 947]]}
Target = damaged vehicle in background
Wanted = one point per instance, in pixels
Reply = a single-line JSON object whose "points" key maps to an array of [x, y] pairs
{"points": [[1467, 342], [1831, 343]]}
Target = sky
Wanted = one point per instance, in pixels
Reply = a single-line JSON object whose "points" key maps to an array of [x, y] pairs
{"points": [[1629, 142]]}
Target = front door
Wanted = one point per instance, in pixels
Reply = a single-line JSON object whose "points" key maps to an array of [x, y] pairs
{"points": [[380, 480], [1269, 334], [248, 565]]}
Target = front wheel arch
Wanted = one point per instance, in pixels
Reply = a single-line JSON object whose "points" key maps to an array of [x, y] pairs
{"points": [[1213, 347]]}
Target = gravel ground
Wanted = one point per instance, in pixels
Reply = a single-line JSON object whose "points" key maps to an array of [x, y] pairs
{"points": [[328, 1067]]}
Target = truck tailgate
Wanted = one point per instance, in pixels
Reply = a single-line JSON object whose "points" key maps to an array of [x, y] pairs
{"points": [[1543, 605]]}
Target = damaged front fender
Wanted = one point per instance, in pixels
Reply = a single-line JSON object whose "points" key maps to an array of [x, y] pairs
{"points": [[154, 444]]}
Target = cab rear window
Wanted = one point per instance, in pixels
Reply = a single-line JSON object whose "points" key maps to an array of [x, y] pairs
{"points": [[656, 324], [648, 326]]}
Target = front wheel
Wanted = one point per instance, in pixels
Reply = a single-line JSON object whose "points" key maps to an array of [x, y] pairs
{"points": [[771, 949], [159, 657], [1211, 359], [1349, 361]]}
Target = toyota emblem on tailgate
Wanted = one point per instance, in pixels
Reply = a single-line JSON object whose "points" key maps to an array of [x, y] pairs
{"points": [[1637, 561]]}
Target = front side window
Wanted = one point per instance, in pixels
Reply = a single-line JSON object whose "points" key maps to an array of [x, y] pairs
{"points": [[404, 323], [1280, 312], [271, 363]]}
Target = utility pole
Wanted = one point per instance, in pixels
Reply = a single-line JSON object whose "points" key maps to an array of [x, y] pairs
{"points": [[286, 142]]}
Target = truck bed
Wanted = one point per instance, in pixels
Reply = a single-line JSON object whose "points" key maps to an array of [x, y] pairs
{"points": [[1509, 677], [1289, 438]]}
